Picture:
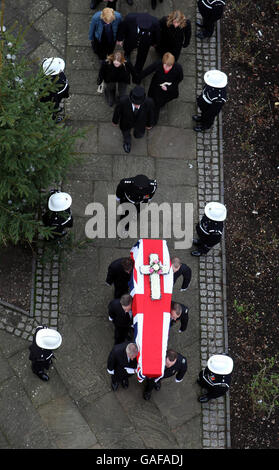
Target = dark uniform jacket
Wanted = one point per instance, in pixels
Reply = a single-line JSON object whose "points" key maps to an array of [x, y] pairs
{"points": [[124, 115], [179, 368], [111, 74], [210, 102], [116, 275], [120, 318], [62, 89], [184, 317], [131, 37], [211, 9], [173, 77], [118, 359], [217, 385], [58, 220], [210, 231], [184, 271], [39, 356], [173, 39], [127, 191]]}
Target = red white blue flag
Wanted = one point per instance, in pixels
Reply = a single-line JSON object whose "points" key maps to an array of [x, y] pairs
{"points": [[151, 318]]}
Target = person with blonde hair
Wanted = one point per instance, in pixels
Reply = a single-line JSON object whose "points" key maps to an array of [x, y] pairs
{"points": [[164, 83], [103, 31], [116, 73], [176, 33]]}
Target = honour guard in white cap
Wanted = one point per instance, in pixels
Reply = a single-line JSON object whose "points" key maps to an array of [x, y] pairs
{"points": [[44, 341], [210, 228], [211, 11], [211, 100], [54, 68], [216, 377], [58, 214]]}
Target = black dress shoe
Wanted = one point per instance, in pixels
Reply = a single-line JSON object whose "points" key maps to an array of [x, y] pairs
{"points": [[147, 395], [196, 253], [125, 383], [130, 2], [196, 117], [93, 4], [127, 147], [153, 4], [43, 376], [114, 386], [157, 386], [203, 399], [199, 129]]}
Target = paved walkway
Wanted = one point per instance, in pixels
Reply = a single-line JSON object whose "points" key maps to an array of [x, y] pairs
{"points": [[76, 408]]}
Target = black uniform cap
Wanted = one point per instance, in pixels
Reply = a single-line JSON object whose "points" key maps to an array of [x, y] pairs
{"points": [[141, 181], [137, 95]]}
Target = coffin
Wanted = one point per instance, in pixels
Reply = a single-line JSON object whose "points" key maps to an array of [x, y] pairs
{"points": [[151, 317]]}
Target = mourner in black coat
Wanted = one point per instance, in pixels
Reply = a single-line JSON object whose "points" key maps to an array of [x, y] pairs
{"points": [[215, 377], [110, 4], [211, 100], [175, 364], [41, 354], [181, 269], [176, 33], [211, 11], [179, 312], [120, 312], [119, 273], [58, 214], [134, 111], [139, 31], [116, 72], [210, 228], [164, 83], [122, 363]]}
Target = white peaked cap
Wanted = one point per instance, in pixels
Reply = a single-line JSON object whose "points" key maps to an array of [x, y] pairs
{"points": [[215, 78], [53, 65], [215, 211], [220, 364], [47, 338], [59, 202]]}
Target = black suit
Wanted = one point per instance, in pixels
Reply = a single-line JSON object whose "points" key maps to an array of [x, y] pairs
{"points": [[209, 233], [40, 358], [184, 271], [128, 119], [119, 277], [179, 368], [141, 39], [210, 102], [121, 319], [118, 360], [215, 384], [184, 317]]}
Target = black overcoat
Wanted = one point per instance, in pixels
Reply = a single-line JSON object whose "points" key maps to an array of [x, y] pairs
{"points": [[174, 76], [127, 31], [124, 116], [173, 39]]}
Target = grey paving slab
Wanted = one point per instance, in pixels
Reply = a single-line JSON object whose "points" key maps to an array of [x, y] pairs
{"points": [[53, 26], [77, 29], [111, 140], [171, 142], [180, 114], [80, 58], [66, 423], [21, 424], [92, 168], [176, 172], [132, 165], [84, 81], [82, 194]]}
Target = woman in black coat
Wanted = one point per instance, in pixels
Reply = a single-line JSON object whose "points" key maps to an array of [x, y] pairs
{"points": [[164, 83], [116, 72], [175, 33]]}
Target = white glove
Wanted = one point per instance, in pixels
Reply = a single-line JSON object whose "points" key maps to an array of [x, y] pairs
{"points": [[178, 380], [182, 290], [130, 370], [110, 319], [117, 198], [111, 372]]}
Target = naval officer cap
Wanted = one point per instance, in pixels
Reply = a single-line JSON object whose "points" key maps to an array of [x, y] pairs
{"points": [[215, 211], [141, 181], [220, 364], [53, 65], [46, 338], [59, 202], [215, 78]]}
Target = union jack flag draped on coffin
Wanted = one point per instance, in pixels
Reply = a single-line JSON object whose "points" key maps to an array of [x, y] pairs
{"points": [[151, 318]]}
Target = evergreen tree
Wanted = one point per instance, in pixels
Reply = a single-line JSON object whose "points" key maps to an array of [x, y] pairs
{"points": [[34, 151]]}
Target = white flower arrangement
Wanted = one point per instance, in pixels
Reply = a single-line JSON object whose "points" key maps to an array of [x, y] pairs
{"points": [[154, 269]]}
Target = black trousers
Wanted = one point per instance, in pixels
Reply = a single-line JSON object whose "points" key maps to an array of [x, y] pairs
{"points": [[127, 135], [121, 334], [205, 243]]}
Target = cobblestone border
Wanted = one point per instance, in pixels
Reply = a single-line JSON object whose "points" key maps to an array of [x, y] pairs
{"points": [[212, 268]]}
